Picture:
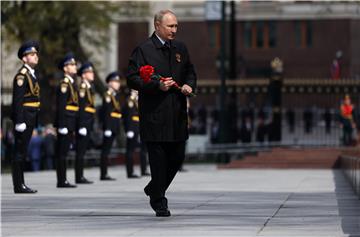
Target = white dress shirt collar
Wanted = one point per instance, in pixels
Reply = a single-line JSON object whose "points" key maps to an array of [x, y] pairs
{"points": [[31, 70], [70, 78], [161, 40], [88, 85]]}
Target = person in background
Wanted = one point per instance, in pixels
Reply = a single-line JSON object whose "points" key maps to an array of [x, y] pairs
{"points": [[111, 123], [49, 147], [347, 120], [261, 130], [327, 118], [25, 108], [246, 130], [131, 126], [308, 120], [335, 69], [290, 119], [66, 115], [35, 150], [85, 122]]}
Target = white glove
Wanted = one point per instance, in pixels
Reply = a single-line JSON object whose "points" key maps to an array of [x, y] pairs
{"points": [[20, 127], [63, 131], [107, 133], [83, 131], [130, 134]]}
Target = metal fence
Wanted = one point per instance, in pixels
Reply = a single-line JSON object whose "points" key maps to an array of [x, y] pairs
{"points": [[309, 110]]}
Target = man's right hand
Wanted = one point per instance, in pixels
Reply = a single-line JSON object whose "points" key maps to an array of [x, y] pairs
{"points": [[63, 131], [166, 83], [20, 127]]}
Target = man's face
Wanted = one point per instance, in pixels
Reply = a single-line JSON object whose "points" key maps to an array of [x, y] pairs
{"points": [[166, 29], [115, 85], [31, 59], [89, 75], [70, 68]]}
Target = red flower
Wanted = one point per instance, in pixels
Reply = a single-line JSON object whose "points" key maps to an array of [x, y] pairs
{"points": [[146, 72]]}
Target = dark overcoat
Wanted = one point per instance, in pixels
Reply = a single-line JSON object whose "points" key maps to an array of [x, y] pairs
{"points": [[163, 115]]}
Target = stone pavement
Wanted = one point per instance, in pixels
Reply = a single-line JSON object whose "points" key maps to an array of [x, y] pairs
{"points": [[203, 201]]}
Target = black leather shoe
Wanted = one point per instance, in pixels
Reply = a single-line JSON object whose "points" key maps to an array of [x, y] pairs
{"points": [[107, 178], [24, 189], [133, 176], [159, 205], [66, 184], [83, 180], [163, 212], [30, 190]]}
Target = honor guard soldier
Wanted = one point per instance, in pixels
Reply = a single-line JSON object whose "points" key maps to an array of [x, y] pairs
{"points": [[131, 125], [66, 116], [25, 108], [111, 122], [85, 120]]}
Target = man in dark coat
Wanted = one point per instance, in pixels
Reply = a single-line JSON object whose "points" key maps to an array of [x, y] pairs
{"points": [[25, 108], [163, 112]]}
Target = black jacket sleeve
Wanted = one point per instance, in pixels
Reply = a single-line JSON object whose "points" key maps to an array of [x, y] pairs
{"points": [[134, 80], [62, 96], [82, 104], [19, 89], [107, 109]]}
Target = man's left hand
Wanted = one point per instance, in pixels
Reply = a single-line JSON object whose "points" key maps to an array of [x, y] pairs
{"points": [[186, 89]]}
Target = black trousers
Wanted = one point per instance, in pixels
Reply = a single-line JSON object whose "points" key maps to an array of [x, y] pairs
{"points": [[82, 143], [22, 140], [165, 159], [62, 150], [131, 145], [347, 134], [105, 151]]}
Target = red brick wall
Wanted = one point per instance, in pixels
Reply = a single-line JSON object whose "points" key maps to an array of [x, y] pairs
{"points": [[355, 49], [314, 62], [130, 34]]}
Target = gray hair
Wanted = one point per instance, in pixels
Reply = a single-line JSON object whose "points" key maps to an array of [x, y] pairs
{"points": [[160, 15]]}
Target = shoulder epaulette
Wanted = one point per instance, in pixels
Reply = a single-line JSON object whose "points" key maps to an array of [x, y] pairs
{"points": [[23, 70], [82, 85]]}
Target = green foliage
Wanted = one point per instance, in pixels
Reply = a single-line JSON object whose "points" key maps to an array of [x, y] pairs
{"points": [[58, 26]]}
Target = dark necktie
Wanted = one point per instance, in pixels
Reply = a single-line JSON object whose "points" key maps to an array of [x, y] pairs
{"points": [[166, 50]]}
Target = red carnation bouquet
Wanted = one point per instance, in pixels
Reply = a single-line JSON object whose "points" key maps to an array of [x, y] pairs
{"points": [[147, 73]]}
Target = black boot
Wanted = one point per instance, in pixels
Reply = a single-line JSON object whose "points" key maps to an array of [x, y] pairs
{"points": [[79, 172], [18, 179], [83, 180], [160, 207], [61, 175], [103, 170]]}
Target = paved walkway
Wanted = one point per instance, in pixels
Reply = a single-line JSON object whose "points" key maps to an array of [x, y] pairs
{"points": [[204, 202]]}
